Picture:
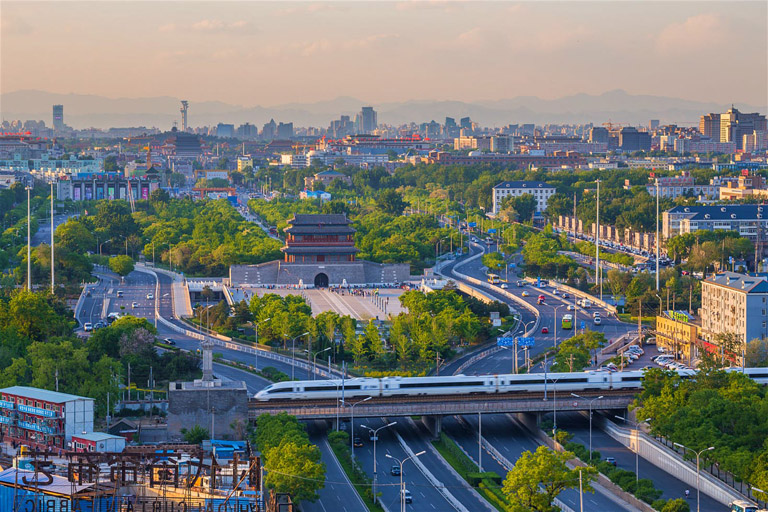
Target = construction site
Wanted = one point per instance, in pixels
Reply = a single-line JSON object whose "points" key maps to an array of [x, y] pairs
{"points": [[226, 477]]}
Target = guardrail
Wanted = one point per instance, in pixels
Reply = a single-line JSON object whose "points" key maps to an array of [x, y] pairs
{"points": [[226, 342], [307, 411]]}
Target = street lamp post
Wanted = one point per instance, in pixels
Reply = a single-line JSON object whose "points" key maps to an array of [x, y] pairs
{"points": [[29, 243], [525, 330], [402, 488], [598, 272], [590, 418], [102, 244], [637, 445], [352, 423], [555, 308], [256, 336], [375, 436], [698, 458], [314, 359], [293, 354]]}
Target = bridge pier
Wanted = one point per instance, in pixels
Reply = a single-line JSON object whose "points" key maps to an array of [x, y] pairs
{"points": [[434, 424]]}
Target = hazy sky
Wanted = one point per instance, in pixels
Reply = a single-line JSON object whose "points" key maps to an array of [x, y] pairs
{"points": [[253, 53]]}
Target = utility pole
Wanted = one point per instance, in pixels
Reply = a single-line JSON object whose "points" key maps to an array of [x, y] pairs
{"points": [[52, 229], [657, 234], [597, 243], [29, 244]]}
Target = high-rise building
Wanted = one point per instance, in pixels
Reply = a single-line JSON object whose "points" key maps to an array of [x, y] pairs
{"points": [[734, 125], [367, 120], [58, 117], [598, 134], [247, 131], [269, 130], [709, 126], [632, 140], [285, 130], [225, 130], [465, 123], [653, 124]]}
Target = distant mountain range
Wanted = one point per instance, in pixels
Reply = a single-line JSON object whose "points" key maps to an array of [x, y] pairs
{"points": [[84, 111]]}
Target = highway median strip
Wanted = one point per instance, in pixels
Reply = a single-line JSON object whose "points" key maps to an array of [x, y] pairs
{"points": [[339, 442]]}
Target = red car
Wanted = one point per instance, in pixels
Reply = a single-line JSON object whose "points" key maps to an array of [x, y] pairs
{"points": [[544, 330]]}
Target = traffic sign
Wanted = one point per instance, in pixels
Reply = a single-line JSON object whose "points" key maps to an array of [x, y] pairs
{"points": [[473, 224], [505, 342], [491, 230], [583, 325], [525, 341]]}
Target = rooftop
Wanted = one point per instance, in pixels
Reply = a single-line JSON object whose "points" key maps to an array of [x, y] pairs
{"points": [[96, 436], [748, 283], [317, 219], [42, 394], [523, 184], [721, 212]]}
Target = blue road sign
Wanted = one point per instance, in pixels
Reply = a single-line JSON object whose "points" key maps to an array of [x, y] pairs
{"points": [[583, 325], [538, 282], [505, 342], [525, 341], [473, 224], [491, 230]]}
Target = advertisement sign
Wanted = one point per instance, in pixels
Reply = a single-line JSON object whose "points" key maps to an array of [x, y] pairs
{"points": [[111, 193]]}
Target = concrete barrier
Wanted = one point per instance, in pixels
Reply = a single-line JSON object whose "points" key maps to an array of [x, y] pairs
{"points": [[670, 461], [455, 503]]}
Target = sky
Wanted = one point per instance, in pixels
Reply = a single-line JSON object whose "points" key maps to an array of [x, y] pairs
{"points": [[274, 53]]}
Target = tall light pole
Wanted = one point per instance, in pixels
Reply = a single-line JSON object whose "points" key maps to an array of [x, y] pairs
{"points": [[402, 488], [256, 336], [590, 418], [637, 446], [555, 308], [352, 423], [102, 243], [698, 457], [293, 354], [52, 229], [29, 243], [599, 281], [314, 359], [657, 234], [375, 437]]}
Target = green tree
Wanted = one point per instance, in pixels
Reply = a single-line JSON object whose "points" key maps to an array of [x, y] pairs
{"points": [[493, 261], [296, 469], [574, 353], [391, 202], [757, 353], [676, 505], [73, 236], [373, 341], [196, 434], [121, 265], [538, 478]]}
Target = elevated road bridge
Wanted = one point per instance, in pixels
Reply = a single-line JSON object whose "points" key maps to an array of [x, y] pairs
{"points": [[444, 405]]}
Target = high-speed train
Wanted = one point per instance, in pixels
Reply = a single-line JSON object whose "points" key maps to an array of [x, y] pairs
{"points": [[466, 384]]}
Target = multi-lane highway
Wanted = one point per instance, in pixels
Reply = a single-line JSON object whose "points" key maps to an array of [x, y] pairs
{"points": [[503, 433]]}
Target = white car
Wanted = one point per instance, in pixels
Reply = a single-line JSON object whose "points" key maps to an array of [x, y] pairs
{"points": [[595, 314], [150, 296], [87, 326], [504, 286], [597, 320], [570, 307], [134, 305]]}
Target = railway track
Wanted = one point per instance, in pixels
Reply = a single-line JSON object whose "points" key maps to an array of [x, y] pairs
{"points": [[486, 397]]}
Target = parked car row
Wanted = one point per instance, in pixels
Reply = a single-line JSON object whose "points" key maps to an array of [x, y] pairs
{"points": [[668, 361]]}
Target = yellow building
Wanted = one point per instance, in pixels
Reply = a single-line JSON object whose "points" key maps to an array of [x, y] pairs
{"points": [[677, 335]]}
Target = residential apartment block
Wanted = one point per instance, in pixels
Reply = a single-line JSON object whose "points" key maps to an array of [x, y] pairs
{"points": [[538, 189], [734, 303], [43, 419], [746, 219]]}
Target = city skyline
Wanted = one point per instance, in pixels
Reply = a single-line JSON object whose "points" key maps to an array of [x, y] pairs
{"points": [[283, 53]]}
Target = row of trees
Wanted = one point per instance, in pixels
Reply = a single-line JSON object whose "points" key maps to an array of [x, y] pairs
{"points": [[37, 348], [726, 410]]}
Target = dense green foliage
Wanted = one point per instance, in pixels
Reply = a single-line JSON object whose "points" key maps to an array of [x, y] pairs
{"points": [[292, 464], [575, 353], [726, 410], [37, 347], [539, 477]]}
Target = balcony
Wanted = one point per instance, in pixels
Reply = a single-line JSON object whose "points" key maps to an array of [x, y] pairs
{"points": [[4, 404], [37, 411]]}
